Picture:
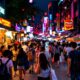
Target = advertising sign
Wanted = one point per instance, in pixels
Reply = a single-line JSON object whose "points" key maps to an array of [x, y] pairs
{"points": [[45, 24], [17, 27], [29, 29], [68, 24], [25, 23], [2, 10], [5, 22]]}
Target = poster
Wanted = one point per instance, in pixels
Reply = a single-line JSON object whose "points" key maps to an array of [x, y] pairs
{"points": [[68, 25]]}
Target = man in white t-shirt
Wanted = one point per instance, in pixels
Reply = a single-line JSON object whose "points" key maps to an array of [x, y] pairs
{"points": [[68, 49], [9, 64]]}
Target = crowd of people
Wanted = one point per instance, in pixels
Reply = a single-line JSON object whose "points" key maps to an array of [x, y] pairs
{"points": [[32, 56]]}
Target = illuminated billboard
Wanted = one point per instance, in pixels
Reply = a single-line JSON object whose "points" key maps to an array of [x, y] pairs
{"points": [[20, 28], [29, 29], [2, 10], [17, 27], [5, 22], [68, 25], [45, 24]]}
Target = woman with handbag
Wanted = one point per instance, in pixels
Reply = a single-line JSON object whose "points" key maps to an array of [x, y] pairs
{"points": [[43, 69]]}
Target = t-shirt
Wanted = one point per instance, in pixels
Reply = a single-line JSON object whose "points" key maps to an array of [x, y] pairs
{"points": [[9, 64], [47, 54], [68, 49], [75, 61], [44, 73]]}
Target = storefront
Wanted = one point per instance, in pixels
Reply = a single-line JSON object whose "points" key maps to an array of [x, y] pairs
{"points": [[6, 33], [21, 32], [74, 38]]}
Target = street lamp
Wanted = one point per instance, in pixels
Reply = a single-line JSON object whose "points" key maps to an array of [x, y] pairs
{"points": [[30, 1]]}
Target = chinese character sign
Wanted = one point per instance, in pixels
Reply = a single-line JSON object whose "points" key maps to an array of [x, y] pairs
{"points": [[68, 24]]}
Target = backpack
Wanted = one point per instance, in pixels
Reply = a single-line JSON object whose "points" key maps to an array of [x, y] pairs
{"points": [[4, 74]]}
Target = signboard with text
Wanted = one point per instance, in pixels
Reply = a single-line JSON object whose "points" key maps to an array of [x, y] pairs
{"points": [[68, 25], [5, 22], [2, 10]]}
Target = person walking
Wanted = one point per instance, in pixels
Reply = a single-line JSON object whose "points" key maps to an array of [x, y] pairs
{"points": [[6, 66], [74, 63], [15, 53], [21, 63], [43, 69]]}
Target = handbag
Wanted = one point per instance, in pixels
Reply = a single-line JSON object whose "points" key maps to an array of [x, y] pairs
{"points": [[53, 74], [61, 59], [37, 68]]}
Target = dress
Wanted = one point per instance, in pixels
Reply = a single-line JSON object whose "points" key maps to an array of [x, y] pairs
{"points": [[44, 74]]}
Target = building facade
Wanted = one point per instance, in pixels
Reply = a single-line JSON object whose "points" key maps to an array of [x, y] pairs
{"points": [[52, 10], [70, 9]]}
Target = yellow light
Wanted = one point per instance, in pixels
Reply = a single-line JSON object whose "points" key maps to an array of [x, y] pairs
{"points": [[5, 22], [22, 35], [9, 34]]}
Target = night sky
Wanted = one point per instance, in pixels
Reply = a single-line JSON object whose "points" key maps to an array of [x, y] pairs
{"points": [[42, 4]]}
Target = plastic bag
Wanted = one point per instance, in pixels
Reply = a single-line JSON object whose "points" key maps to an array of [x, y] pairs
{"points": [[61, 59], [37, 68], [53, 75]]}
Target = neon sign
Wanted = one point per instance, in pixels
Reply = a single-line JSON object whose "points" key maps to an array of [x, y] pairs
{"points": [[5, 22], [68, 24], [2, 10]]}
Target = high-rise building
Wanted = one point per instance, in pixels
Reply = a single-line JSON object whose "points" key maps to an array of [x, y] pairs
{"points": [[52, 10], [70, 9]]}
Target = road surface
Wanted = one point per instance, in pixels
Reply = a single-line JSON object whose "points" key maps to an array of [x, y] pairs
{"points": [[61, 73]]}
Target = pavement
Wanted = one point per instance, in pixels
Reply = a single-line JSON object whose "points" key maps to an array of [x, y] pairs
{"points": [[61, 73], [28, 77]]}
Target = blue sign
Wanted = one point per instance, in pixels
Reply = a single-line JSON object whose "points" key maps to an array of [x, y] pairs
{"points": [[50, 16]]}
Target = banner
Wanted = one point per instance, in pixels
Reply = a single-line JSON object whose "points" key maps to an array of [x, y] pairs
{"points": [[68, 24], [5, 22]]}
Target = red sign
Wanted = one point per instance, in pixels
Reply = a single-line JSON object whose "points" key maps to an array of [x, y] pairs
{"points": [[68, 24]]}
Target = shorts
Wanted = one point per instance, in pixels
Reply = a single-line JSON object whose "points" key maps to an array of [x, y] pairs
{"points": [[20, 67]]}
